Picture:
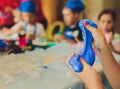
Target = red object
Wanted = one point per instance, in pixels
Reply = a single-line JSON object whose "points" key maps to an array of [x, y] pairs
{"points": [[6, 7], [86, 23], [81, 58], [22, 42]]}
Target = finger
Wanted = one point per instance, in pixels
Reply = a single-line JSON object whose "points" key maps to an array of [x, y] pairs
{"points": [[100, 31], [83, 61], [99, 28], [90, 28]]}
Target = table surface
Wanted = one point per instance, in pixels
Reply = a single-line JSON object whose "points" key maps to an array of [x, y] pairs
{"points": [[25, 71]]}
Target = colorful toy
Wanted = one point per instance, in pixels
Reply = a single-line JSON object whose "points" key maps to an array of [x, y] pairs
{"points": [[51, 29], [87, 52], [47, 61], [22, 42]]}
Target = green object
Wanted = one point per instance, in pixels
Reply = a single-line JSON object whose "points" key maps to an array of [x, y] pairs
{"points": [[59, 33], [50, 44]]}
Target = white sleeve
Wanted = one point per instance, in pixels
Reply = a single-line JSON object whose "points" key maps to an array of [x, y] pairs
{"points": [[40, 30]]}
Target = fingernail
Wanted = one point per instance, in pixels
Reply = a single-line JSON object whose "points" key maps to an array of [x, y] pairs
{"points": [[81, 58], [86, 23]]}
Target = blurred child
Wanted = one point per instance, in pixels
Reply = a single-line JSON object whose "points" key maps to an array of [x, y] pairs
{"points": [[106, 21], [29, 25], [40, 17], [71, 13], [5, 44]]}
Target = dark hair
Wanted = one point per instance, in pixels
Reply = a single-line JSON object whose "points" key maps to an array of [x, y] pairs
{"points": [[108, 11], [76, 10]]}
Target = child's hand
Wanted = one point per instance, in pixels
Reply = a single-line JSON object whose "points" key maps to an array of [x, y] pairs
{"points": [[88, 75], [58, 38], [30, 37], [5, 30]]}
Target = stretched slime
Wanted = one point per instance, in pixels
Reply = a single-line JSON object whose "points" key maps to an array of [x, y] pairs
{"points": [[87, 52]]}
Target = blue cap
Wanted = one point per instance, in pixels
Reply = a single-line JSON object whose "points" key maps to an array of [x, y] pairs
{"points": [[75, 5], [28, 6]]}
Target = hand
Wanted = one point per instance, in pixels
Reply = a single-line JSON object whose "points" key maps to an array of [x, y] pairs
{"points": [[4, 30], [99, 39], [58, 38], [88, 75], [111, 69], [30, 37]]}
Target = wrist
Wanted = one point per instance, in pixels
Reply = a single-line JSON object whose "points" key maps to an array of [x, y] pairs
{"points": [[96, 84], [101, 47]]}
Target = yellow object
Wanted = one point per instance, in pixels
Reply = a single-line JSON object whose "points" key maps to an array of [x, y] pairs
{"points": [[49, 8], [29, 47], [47, 61], [51, 28]]}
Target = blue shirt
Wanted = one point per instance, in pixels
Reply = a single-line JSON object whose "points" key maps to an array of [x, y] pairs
{"points": [[68, 33]]}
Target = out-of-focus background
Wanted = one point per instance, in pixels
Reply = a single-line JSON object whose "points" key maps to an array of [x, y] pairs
{"points": [[93, 8]]}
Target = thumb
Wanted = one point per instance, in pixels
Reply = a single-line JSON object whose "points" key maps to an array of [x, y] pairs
{"points": [[68, 58]]}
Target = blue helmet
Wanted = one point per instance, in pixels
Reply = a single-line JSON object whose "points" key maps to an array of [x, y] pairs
{"points": [[28, 6], [75, 5]]}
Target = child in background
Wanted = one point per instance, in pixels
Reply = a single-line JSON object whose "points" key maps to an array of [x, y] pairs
{"points": [[4, 43], [40, 17], [29, 25], [71, 13], [106, 21]]}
